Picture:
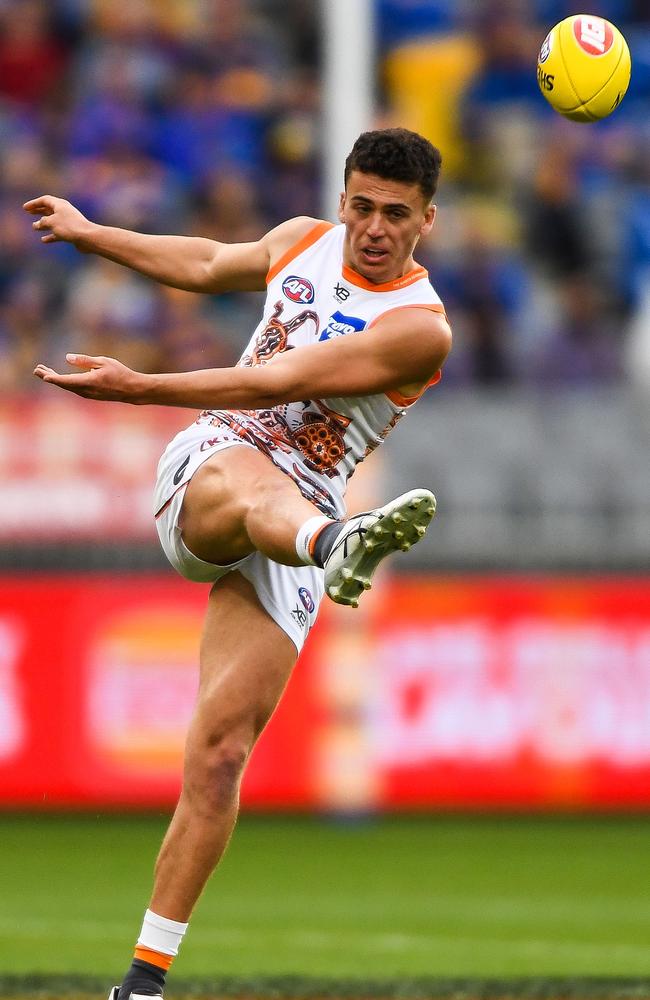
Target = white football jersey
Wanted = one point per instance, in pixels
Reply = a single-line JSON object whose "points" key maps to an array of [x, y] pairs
{"points": [[312, 296]]}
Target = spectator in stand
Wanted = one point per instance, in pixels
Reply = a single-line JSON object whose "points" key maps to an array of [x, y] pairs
{"points": [[112, 309], [25, 327], [123, 184], [293, 152], [485, 289], [218, 117], [228, 208], [557, 235], [400, 20], [503, 118], [190, 334], [585, 347], [198, 133], [32, 59], [635, 263]]}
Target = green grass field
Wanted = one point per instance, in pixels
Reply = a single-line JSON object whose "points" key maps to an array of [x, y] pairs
{"points": [[398, 899]]}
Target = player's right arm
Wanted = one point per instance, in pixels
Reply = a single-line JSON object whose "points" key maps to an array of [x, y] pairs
{"points": [[189, 262]]}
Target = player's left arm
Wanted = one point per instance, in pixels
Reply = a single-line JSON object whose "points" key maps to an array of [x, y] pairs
{"points": [[405, 348]]}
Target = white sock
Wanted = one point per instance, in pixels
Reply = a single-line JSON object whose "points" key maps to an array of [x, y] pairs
{"points": [[161, 934], [305, 535]]}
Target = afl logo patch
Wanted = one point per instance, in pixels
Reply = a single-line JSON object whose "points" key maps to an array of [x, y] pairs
{"points": [[545, 50], [298, 289], [306, 599]]}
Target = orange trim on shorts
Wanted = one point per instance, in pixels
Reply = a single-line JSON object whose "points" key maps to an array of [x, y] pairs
{"points": [[153, 957], [395, 395], [389, 286], [303, 244]]}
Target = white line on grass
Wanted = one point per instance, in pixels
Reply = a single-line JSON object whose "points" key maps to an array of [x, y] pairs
{"points": [[332, 941]]}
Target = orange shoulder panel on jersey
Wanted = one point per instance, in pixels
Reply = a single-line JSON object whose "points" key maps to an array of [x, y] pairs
{"points": [[388, 286], [394, 395], [303, 244]]}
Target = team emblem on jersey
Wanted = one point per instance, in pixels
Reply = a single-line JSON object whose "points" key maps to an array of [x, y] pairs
{"points": [[274, 338], [320, 438], [338, 325], [298, 289]]}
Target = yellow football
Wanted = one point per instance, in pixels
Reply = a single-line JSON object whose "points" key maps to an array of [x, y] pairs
{"points": [[583, 68]]}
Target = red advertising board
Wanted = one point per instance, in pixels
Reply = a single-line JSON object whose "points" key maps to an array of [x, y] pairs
{"points": [[71, 470], [441, 693]]}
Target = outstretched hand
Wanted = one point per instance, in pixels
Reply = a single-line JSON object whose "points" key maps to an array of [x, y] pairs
{"points": [[60, 220], [104, 378]]}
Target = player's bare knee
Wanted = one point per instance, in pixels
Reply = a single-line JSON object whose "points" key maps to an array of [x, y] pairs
{"points": [[213, 770]]}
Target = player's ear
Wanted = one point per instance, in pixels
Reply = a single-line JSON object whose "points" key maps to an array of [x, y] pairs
{"points": [[429, 219], [341, 212]]}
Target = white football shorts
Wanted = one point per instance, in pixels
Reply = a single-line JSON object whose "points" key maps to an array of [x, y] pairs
{"points": [[291, 595]]}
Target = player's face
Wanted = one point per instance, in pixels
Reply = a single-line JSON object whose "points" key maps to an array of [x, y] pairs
{"points": [[384, 220]]}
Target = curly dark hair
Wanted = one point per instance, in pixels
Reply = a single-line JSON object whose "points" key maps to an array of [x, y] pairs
{"points": [[396, 154]]}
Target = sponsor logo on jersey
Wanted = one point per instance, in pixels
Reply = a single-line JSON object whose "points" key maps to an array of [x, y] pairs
{"points": [[338, 325], [594, 35], [341, 292], [545, 50], [307, 599], [298, 289]]}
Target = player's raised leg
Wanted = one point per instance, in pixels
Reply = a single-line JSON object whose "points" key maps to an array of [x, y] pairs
{"points": [[246, 660], [238, 502]]}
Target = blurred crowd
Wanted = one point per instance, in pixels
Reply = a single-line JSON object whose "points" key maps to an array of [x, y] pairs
{"points": [[203, 117]]}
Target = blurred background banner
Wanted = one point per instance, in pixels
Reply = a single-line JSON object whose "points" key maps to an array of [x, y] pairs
{"points": [[513, 671], [73, 472], [445, 693]]}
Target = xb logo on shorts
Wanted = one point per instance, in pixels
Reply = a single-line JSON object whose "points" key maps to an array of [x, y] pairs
{"points": [[338, 325], [298, 289]]}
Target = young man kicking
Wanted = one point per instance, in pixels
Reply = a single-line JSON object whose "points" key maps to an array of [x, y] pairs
{"points": [[250, 497]]}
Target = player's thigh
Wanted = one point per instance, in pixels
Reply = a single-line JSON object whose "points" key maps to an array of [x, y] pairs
{"points": [[246, 661], [218, 498]]}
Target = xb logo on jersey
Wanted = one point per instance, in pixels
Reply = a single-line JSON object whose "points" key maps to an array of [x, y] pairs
{"points": [[338, 325], [298, 289]]}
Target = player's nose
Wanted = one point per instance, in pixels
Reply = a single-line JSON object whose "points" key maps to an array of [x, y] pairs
{"points": [[375, 225]]}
